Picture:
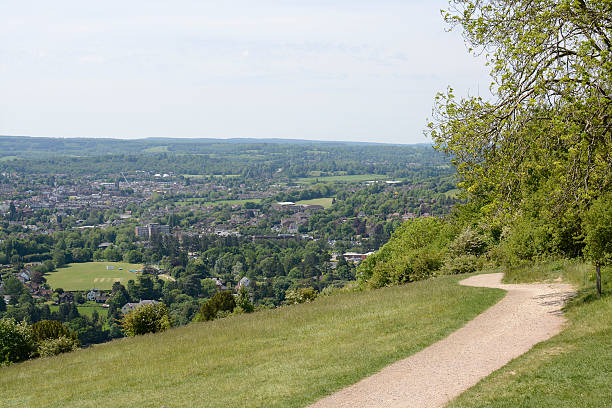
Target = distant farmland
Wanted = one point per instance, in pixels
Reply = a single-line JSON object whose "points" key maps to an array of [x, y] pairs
{"points": [[85, 276]]}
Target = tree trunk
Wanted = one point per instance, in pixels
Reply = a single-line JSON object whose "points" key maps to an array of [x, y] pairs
{"points": [[598, 271]]}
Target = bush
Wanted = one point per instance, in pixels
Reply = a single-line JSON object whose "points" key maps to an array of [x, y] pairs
{"points": [[301, 295], [460, 264], [243, 301], [50, 329], [220, 302], [16, 342], [54, 346], [469, 242], [597, 226], [152, 318], [415, 251]]}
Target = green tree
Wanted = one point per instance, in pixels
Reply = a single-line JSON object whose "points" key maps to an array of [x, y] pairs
{"points": [[150, 318], [50, 329], [598, 233], [243, 301], [16, 342], [59, 258], [13, 287], [301, 295], [52, 337], [548, 127], [220, 302]]}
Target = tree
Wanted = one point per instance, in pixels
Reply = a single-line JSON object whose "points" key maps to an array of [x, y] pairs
{"points": [[301, 295], [13, 287], [243, 301], [59, 258], [16, 343], [50, 329], [598, 233], [52, 337], [220, 302], [150, 318], [548, 127]]}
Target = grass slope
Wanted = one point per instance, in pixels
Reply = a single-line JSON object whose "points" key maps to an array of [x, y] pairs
{"points": [[287, 357], [89, 275], [573, 369]]}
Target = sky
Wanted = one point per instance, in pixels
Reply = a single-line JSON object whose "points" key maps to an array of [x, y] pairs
{"points": [[336, 70]]}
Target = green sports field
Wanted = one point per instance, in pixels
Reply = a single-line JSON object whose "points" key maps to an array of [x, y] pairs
{"points": [[326, 202], [89, 275]]}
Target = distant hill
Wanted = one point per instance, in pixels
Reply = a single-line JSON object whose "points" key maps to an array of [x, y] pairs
{"points": [[25, 146]]}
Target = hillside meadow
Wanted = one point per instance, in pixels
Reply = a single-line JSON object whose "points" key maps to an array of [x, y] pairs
{"points": [[287, 357], [89, 275]]}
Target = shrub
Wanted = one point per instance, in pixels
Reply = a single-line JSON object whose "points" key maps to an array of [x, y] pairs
{"points": [[243, 301], [527, 239], [415, 251], [16, 342], [301, 295], [469, 242], [220, 302], [460, 264], [52, 337], [597, 226], [144, 319], [50, 329], [54, 346]]}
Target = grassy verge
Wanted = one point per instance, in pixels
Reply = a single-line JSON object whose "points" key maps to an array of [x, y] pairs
{"points": [[287, 357], [574, 368]]}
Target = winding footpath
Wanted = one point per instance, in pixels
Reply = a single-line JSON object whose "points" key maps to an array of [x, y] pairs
{"points": [[527, 315]]}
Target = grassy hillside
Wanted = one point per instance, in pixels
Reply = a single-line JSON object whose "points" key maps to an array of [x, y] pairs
{"points": [[89, 275], [573, 369], [287, 357]]}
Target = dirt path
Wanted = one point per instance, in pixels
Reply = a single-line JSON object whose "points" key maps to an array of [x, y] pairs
{"points": [[527, 315]]}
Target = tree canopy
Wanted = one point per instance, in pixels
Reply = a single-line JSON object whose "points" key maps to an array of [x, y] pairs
{"points": [[547, 132]]}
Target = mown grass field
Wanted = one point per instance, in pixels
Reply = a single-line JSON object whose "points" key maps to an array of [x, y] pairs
{"points": [[89, 275], [86, 310], [355, 178], [574, 368], [287, 357], [326, 202]]}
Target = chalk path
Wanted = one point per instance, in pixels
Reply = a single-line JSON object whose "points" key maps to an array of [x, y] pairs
{"points": [[527, 315]]}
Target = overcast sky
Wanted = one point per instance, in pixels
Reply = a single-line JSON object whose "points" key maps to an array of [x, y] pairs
{"points": [[351, 70]]}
